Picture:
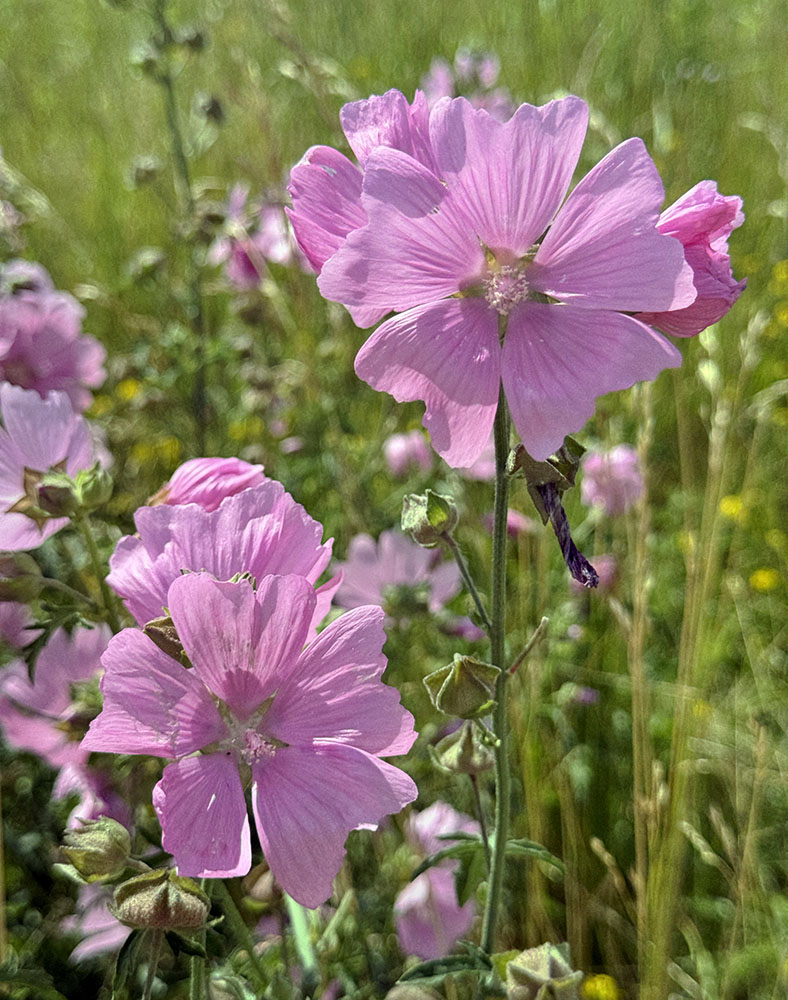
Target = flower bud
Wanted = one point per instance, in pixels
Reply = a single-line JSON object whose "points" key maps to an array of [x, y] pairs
{"points": [[162, 632], [428, 517], [20, 577], [56, 495], [539, 973], [161, 900], [464, 688], [94, 487], [463, 752], [99, 849]]}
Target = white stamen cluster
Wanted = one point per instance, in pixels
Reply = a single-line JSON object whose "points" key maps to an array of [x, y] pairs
{"points": [[505, 288]]}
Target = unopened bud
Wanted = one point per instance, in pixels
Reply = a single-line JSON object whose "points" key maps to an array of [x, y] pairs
{"points": [[20, 577], [542, 972], [464, 688], [428, 517], [94, 487], [98, 850], [463, 752], [161, 900], [56, 495], [163, 633]]}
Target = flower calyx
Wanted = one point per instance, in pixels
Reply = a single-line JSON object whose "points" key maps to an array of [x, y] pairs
{"points": [[163, 633], [465, 751], [464, 688], [98, 850], [429, 517], [20, 577], [543, 973], [161, 900]]}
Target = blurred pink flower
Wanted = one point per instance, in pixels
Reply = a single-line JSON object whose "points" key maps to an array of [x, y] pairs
{"points": [[474, 75], [406, 451], [207, 481], [702, 220], [97, 795], [373, 571], [516, 523], [483, 467], [428, 917], [453, 240], [38, 436], [42, 345], [261, 530], [99, 931], [36, 717], [15, 622], [306, 727], [606, 567], [612, 480]]}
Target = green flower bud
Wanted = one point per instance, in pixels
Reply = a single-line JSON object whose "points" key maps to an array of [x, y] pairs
{"points": [[98, 850], [428, 517], [463, 752], [56, 495], [161, 900], [464, 688], [543, 973], [20, 577], [94, 487]]}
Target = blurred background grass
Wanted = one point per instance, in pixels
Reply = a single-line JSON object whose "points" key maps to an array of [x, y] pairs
{"points": [[706, 86]]}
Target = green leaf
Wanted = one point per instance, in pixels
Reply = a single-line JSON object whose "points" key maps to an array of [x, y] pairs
{"points": [[463, 849], [436, 970], [530, 849], [471, 871], [187, 946], [126, 967]]}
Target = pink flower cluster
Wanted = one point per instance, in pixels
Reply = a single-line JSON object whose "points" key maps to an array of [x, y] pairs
{"points": [[301, 720], [461, 225], [475, 73], [42, 345], [612, 480]]}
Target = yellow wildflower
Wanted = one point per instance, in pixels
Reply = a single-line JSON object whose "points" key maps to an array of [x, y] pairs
{"points": [[765, 579], [600, 987], [732, 507]]}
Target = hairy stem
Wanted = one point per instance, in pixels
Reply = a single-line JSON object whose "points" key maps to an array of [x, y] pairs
{"points": [[467, 579], [107, 597], [498, 656]]}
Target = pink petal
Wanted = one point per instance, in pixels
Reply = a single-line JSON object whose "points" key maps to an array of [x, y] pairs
{"points": [[336, 692], [19, 534], [446, 354], [307, 800], [152, 705], [200, 804], [603, 250], [508, 177], [326, 191], [417, 246], [557, 359], [237, 639], [428, 917]]}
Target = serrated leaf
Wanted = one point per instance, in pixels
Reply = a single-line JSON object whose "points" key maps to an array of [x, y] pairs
{"points": [[530, 849]]}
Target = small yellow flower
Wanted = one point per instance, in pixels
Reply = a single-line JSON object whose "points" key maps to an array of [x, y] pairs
{"points": [[764, 580], [780, 416], [780, 271], [781, 312], [100, 406], [732, 507], [600, 987], [128, 388]]}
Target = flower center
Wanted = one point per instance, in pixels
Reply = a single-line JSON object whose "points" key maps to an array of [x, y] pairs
{"points": [[257, 747], [505, 288]]}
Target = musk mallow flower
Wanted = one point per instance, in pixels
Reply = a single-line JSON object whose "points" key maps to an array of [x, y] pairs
{"points": [[702, 220], [38, 436], [207, 481], [612, 479], [259, 531], [304, 728], [493, 278]]}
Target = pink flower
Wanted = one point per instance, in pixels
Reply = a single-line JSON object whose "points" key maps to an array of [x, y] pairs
{"points": [[428, 917], [306, 728], [405, 451], [702, 219], [99, 931], [36, 717], [207, 481], [261, 530], [38, 436], [612, 480], [15, 622], [466, 237], [516, 523], [97, 796], [375, 573], [474, 72], [42, 345]]}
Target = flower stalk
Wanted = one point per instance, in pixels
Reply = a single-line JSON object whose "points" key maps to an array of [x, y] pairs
{"points": [[107, 598], [498, 658]]}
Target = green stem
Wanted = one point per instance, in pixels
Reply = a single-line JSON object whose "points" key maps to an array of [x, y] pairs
{"points": [[498, 651], [107, 597], [156, 939], [303, 942], [3, 921], [468, 581], [52, 584], [477, 799], [197, 980], [238, 928]]}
